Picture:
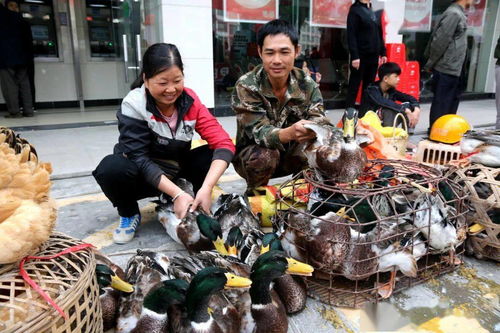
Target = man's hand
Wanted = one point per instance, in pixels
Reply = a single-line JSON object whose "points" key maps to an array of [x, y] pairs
{"points": [[296, 132], [203, 198], [383, 60], [355, 63], [412, 118], [181, 205]]}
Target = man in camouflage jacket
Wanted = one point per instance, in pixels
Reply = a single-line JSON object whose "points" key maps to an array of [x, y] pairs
{"points": [[272, 102]]}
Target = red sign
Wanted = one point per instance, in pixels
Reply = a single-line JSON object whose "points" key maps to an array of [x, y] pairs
{"points": [[329, 13], [475, 14], [418, 15], [252, 11]]}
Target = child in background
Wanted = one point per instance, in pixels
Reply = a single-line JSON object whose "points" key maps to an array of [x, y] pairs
{"points": [[382, 97]]}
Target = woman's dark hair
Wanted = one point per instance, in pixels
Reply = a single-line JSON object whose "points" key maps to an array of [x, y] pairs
{"points": [[157, 58], [387, 69], [276, 27]]}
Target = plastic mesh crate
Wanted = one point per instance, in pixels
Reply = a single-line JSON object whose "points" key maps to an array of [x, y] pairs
{"points": [[435, 153]]}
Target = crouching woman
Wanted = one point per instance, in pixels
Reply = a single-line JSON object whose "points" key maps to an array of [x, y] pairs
{"points": [[157, 120]]}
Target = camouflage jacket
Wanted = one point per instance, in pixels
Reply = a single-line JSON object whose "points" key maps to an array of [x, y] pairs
{"points": [[259, 113]]}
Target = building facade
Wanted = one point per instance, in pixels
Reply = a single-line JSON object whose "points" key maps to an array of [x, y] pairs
{"points": [[88, 52]]}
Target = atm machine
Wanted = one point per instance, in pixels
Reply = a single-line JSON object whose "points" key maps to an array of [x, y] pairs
{"points": [[40, 15], [101, 28]]}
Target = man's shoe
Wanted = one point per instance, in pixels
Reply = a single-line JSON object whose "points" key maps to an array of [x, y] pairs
{"points": [[28, 114], [126, 230], [15, 115]]}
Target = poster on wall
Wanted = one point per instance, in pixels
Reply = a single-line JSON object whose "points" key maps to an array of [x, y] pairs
{"points": [[418, 16], [329, 13], [250, 11], [476, 16]]}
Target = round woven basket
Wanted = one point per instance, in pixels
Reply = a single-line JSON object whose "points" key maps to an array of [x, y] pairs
{"points": [[482, 185], [69, 280]]}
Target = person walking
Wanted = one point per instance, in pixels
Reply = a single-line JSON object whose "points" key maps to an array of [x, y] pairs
{"points": [[14, 55], [366, 47], [497, 79], [446, 52]]}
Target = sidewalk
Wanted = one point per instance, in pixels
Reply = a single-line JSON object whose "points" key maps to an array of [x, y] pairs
{"points": [[77, 151], [466, 299]]}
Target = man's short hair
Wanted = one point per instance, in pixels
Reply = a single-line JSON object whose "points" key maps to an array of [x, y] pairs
{"points": [[387, 69], [276, 27]]}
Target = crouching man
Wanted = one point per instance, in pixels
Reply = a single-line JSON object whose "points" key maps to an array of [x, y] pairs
{"points": [[272, 103]]}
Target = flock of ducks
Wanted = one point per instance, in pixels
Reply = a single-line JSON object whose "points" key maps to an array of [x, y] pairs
{"points": [[237, 278]]}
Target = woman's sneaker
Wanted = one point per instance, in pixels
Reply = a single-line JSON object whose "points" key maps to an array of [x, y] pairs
{"points": [[126, 230]]}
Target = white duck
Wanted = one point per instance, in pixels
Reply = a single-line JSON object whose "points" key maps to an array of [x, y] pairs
{"points": [[482, 146]]}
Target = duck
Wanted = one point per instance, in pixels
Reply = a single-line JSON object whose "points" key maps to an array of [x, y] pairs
{"points": [[267, 310], [197, 231], [431, 218], [482, 147], [144, 270], [335, 154], [111, 281], [391, 247]]}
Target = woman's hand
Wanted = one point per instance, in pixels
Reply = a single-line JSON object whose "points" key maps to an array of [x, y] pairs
{"points": [[181, 205], [203, 199]]}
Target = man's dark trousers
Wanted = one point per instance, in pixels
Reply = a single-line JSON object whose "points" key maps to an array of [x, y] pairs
{"points": [[447, 90]]}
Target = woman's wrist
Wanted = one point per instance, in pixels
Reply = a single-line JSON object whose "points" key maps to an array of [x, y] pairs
{"points": [[175, 197]]}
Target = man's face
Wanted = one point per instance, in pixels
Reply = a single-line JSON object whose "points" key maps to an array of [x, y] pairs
{"points": [[469, 3], [392, 80], [278, 55], [12, 5]]}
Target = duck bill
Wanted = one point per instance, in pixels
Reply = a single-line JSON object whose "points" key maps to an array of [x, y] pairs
{"points": [[119, 284], [264, 249], [235, 281], [296, 267], [232, 251], [349, 128], [220, 247]]}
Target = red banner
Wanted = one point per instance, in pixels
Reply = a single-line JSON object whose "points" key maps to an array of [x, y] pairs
{"points": [[329, 13], [252, 11], [475, 14], [418, 15]]}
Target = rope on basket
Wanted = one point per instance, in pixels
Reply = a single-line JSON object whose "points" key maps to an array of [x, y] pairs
{"points": [[35, 286]]}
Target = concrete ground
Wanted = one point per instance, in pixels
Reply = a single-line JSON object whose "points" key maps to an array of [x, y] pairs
{"points": [[466, 300]]}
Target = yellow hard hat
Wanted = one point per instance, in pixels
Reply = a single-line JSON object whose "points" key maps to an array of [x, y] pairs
{"points": [[449, 128]]}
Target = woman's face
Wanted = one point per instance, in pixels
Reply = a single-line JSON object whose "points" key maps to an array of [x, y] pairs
{"points": [[166, 86]]}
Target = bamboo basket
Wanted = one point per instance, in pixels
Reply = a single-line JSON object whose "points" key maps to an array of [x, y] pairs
{"points": [[399, 143], [69, 280], [482, 185]]}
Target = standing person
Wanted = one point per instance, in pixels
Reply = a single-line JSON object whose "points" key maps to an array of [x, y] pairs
{"points": [[14, 55], [446, 53], [272, 103], [366, 47], [157, 120], [13, 5], [497, 79]]}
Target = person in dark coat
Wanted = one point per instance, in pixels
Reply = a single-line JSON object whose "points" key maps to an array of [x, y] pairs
{"points": [[366, 47], [13, 5], [497, 79], [14, 58]]}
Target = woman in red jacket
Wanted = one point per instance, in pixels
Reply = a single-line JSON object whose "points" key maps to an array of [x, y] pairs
{"points": [[156, 121]]}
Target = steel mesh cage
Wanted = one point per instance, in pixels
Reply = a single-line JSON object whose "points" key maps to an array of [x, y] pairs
{"points": [[352, 233]]}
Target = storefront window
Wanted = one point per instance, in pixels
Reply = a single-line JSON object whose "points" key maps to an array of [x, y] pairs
{"points": [[417, 33], [324, 44]]}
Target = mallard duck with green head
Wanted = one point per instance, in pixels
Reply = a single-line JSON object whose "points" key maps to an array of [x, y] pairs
{"points": [[110, 286]]}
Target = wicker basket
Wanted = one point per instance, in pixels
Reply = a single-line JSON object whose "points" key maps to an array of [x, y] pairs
{"points": [[399, 143], [482, 185], [435, 153], [69, 280]]}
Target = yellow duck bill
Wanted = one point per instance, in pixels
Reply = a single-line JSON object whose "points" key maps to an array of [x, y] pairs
{"points": [[119, 284], [349, 128], [235, 281], [296, 267], [220, 247]]}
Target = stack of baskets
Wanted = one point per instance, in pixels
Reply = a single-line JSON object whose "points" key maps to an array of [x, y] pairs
{"points": [[69, 280], [356, 276], [482, 186]]}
